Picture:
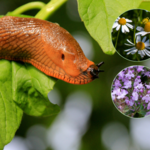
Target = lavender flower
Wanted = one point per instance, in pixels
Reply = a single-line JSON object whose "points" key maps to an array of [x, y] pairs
{"points": [[122, 94], [148, 106], [127, 84], [140, 68], [130, 92], [147, 86], [130, 74], [117, 83], [146, 98], [135, 96], [121, 75]]}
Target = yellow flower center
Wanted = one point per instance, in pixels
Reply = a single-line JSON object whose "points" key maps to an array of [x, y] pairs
{"points": [[145, 20], [122, 21], [147, 27], [140, 45]]}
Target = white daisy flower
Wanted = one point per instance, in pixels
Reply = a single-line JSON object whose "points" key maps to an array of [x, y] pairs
{"points": [[145, 30], [123, 23], [141, 47]]}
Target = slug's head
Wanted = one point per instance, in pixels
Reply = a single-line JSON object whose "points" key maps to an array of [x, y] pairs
{"points": [[91, 73], [94, 71]]}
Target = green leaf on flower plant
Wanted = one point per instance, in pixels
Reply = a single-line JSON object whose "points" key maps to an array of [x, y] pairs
{"points": [[99, 16], [10, 113], [30, 90]]}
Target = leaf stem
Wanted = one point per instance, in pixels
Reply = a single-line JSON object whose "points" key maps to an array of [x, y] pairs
{"points": [[26, 7], [49, 9]]}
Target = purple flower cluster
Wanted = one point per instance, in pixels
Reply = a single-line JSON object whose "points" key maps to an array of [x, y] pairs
{"points": [[131, 90]]}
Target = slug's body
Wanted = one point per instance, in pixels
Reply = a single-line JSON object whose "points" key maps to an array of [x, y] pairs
{"points": [[46, 46]]}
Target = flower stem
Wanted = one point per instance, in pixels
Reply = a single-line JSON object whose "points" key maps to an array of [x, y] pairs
{"points": [[137, 57], [26, 7], [49, 9], [141, 11], [134, 34], [117, 38]]}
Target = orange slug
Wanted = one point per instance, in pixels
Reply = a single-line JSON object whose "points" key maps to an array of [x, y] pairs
{"points": [[48, 47]]}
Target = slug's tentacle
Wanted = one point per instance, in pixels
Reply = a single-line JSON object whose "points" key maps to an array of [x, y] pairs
{"points": [[94, 70], [48, 47]]}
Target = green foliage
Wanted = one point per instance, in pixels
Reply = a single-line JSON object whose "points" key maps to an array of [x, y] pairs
{"points": [[145, 5], [99, 16], [10, 113], [24, 85], [30, 88]]}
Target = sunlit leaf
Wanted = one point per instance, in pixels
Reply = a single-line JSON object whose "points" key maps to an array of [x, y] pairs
{"points": [[145, 5], [10, 113], [31, 88]]}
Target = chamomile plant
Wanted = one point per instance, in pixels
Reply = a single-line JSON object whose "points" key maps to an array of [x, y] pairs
{"points": [[131, 35]]}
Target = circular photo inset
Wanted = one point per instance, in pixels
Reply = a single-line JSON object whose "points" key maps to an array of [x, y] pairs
{"points": [[131, 35], [130, 91]]}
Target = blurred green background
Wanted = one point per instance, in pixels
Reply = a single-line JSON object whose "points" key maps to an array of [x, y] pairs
{"points": [[88, 119]]}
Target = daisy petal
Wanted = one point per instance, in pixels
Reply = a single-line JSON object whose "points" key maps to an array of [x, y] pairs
{"points": [[125, 28], [115, 25], [140, 53], [130, 42], [148, 47], [118, 27], [117, 18], [141, 33], [143, 40], [139, 28], [129, 25], [138, 39], [122, 29], [132, 52], [147, 43], [130, 49], [127, 20], [147, 52], [143, 53]]}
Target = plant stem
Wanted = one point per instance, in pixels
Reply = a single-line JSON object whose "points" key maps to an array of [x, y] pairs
{"points": [[137, 57], [134, 38], [28, 6], [141, 11], [117, 37], [49, 9]]}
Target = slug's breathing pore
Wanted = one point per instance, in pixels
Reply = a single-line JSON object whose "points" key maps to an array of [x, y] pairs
{"points": [[48, 47]]}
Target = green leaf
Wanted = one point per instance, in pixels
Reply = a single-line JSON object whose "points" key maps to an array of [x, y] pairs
{"points": [[10, 113], [30, 90], [22, 87], [99, 16]]}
